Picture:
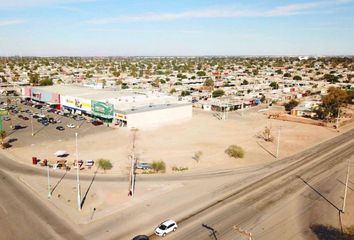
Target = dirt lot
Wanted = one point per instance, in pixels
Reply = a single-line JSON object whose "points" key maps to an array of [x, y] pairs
{"points": [[175, 144]]}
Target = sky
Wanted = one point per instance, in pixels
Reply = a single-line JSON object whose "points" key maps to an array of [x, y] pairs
{"points": [[176, 27]]}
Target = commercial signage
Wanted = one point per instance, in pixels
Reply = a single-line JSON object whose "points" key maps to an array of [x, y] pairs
{"points": [[121, 116], [76, 103], [102, 109]]}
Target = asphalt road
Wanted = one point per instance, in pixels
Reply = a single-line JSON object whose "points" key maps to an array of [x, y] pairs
{"points": [[278, 179], [248, 205], [23, 216]]}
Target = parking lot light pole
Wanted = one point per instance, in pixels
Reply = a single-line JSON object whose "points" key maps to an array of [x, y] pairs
{"points": [[32, 125], [77, 176]]}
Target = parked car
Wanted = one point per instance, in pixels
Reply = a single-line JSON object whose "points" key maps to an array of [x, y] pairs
{"points": [[71, 125], [143, 166], [165, 228], [60, 128], [89, 163], [25, 118], [6, 118], [97, 122], [45, 123]]}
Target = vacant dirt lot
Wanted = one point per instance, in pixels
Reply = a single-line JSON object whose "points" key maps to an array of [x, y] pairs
{"points": [[175, 144]]}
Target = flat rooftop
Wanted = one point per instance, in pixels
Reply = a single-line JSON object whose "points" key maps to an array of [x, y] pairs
{"points": [[122, 100], [86, 92]]}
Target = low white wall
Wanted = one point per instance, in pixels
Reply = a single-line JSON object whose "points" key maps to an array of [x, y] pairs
{"points": [[157, 118]]}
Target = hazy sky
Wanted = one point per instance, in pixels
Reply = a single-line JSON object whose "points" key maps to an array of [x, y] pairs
{"points": [[176, 27]]}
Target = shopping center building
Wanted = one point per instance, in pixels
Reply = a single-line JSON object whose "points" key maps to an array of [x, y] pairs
{"points": [[131, 108]]}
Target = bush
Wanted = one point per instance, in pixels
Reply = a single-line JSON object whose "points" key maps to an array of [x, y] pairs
{"points": [[159, 166], [179, 169], [290, 105], [104, 164], [235, 151], [218, 93], [197, 156]]}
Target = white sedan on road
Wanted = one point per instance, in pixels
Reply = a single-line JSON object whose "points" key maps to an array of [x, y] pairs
{"points": [[71, 125], [166, 227]]}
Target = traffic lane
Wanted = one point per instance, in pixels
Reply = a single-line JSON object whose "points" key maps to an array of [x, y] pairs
{"points": [[24, 216], [252, 208]]}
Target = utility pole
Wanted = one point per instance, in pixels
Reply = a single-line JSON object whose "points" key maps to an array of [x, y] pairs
{"points": [[32, 125], [49, 190], [346, 187], [278, 143], [133, 165], [337, 121], [77, 175]]}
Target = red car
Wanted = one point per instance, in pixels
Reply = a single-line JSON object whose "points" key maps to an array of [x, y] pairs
{"points": [[97, 122]]}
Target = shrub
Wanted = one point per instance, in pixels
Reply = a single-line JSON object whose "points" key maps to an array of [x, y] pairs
{"points": [[235, 151], [218, 93], [290, 105], [158, 166], [179, 169], [104, 164], [197, 156]]}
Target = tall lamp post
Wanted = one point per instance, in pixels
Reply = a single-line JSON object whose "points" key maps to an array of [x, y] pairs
{"points": [[78, 175], [278, 142], [32, 125]]}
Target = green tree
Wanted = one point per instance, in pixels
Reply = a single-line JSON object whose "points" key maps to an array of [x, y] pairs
{"points": [[332, 102], [244, 82], [235, 151], [218, 93], [201, 73], [46, 82], [331, 78], [209, 82], [158, 166], [105, 164], [185, 93], [297, 77], [274, 85], [287, 75], [290, 105]]}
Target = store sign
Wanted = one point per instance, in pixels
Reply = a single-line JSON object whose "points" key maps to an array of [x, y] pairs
{"points": [[36, 95], [102, 109], [77, 103], [120, 116]]}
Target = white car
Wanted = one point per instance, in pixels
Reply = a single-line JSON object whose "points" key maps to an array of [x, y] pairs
{"points": [[71, 125], [166, 227]]}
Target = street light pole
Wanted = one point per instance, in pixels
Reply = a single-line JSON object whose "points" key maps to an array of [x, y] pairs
{"points": [[346, 187], [337, 121], [278, 143], [49, 190], [32, 125], [77, 175]]}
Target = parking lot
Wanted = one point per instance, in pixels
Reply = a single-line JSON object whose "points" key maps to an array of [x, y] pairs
{"points": [[27, 125]]}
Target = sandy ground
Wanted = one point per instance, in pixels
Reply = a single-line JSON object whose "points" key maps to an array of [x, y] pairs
{"points": [[176, 144]]}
